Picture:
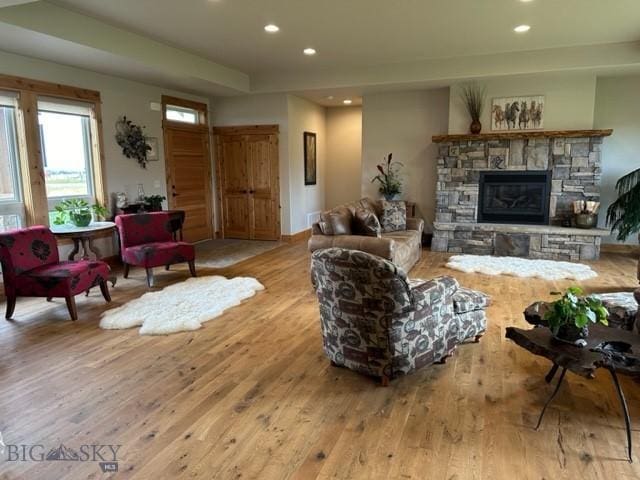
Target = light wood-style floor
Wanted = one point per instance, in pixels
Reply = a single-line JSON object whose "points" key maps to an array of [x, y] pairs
{"points": [[251, 395]]}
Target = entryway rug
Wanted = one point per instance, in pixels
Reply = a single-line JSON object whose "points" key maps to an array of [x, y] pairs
{"points": [[226, 252], [521, 267], [182, 306]]}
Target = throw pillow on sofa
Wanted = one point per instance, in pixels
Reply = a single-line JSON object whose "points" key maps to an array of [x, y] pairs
{"points": [[365, 222], [394, 216], [336, 222]]}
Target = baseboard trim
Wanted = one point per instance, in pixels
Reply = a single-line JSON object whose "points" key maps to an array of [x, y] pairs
{"points": [[620, 248], [297, 237]]}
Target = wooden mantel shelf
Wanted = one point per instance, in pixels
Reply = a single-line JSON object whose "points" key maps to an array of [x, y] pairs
{"points": [[516, 135]]}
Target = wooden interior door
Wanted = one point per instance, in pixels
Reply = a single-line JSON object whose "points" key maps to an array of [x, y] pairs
{"points": [[235, 187], [262, 150], [248, 181], [189, 179]]}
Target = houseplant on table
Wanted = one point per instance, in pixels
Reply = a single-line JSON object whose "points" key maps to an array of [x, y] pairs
{"points": [[77, 212], [389, 178], [153, 203], [569, 317], [473, 97]]}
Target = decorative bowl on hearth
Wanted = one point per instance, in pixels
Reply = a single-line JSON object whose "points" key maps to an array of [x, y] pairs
{"points": [[586, 220]]}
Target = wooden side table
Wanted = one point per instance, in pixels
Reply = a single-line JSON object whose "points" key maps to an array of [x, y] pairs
{"points": [[84, 236], [611, 349]]}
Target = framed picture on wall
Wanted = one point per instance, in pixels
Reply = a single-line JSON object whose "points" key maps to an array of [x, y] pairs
{"points": [[152, 155], [310, 168], [517, 113]]}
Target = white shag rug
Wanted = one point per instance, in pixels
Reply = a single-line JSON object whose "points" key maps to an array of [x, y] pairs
{"points": [[182, 306], [521, 267]]}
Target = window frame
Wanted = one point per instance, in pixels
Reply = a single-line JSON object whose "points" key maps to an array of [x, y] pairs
{"points": [[87, 135], [34, 194], [14, 206], [198, 107]]}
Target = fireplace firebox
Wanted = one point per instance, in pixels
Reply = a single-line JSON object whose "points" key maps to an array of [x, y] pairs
{"points": [[514, 197]]}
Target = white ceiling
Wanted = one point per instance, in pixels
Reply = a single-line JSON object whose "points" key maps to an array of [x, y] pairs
{"points": [[219, 47], [359, 33]]}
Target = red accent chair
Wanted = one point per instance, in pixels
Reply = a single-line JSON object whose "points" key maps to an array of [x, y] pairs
{"points": [[146, 240], [31, 268]]}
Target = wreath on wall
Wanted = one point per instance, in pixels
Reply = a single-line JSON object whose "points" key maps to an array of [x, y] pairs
{"points": [[132, 140]]}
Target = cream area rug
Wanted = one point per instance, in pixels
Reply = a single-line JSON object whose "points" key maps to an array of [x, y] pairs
{"points": [[226, 252], [182, 306], [521, 267]]}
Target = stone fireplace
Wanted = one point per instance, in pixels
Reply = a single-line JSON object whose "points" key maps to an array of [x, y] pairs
{"points": [[513, 193]]}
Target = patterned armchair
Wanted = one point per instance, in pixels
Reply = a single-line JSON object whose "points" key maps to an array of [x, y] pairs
{"points": [[377, 322], [31, 268], [146, 240]]}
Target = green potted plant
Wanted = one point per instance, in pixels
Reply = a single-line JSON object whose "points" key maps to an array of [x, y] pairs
{"points": [[78, 212], [569, 317], [389, 178], [153, 203], [624, 214], [473, 97]]}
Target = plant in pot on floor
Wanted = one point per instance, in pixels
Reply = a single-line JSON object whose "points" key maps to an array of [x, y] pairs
{"points": [[389, 178], [569, 317], [624, 214], [77, 212], [153, 203]]}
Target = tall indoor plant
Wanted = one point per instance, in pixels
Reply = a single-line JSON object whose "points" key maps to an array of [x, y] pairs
{"points": [[389, 178], [473, 96], [624, 214]]}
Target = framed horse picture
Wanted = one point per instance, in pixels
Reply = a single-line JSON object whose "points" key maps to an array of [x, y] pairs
{"points": [[517, 113]]}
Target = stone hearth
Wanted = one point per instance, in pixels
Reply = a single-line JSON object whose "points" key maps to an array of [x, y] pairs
{"points": [[573, 158]]}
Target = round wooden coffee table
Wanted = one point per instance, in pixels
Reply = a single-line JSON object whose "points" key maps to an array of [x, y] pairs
{"points": [[84, 236]]}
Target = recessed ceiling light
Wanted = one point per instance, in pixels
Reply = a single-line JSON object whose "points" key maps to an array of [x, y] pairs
{"points": [[330, 97], [309, 51], [526, 1], [271, 28], [347, 101], [522, 28]]}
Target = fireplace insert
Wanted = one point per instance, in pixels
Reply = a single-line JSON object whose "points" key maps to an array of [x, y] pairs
{"points": [[514, 197]]}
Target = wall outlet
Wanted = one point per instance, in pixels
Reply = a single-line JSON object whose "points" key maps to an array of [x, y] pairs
{"points": [[156, 184]]}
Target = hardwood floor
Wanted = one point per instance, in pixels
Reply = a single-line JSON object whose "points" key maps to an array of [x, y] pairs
{"points": [[251, 395]]}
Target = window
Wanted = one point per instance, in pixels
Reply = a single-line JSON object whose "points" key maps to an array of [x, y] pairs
{"points": [[11, 204], [48, 130], [182, 114], [186, 112], [65, 136]]}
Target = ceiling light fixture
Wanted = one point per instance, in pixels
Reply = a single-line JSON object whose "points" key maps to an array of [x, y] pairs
{"points": [[347, 101], [271, 28], [309, 51], [330, 97], [522, 28]]}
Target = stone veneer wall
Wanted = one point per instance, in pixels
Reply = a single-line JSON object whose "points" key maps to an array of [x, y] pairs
{"points": [[574, 164], [575, 167]]}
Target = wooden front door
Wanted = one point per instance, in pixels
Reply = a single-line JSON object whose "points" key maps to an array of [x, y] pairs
{"points": [[248, 182], [188, 163]]}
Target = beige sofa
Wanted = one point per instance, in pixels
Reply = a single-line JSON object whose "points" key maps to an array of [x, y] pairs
{"points": [[403, 248]]}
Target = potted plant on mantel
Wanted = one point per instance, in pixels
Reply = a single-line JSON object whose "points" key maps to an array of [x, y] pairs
{"points": [[389, 178], [569, 317], [473, 96]]}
